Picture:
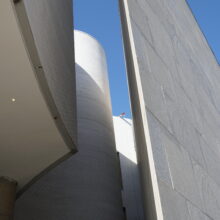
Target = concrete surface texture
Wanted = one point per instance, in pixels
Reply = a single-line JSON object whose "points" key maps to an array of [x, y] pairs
{"points": [[88, 185], [131, 193], [51, 24], [31, 138], [174, 82]]}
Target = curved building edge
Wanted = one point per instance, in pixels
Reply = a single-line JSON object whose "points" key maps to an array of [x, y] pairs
{"points": [[29, 41], [25, 29]]}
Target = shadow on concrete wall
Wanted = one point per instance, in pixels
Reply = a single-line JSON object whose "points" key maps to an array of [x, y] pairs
{"points": [[84, 186], [132, 199]]}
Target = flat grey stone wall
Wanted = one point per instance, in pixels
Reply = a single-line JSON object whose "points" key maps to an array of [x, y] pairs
{"points": [[174, 82]]}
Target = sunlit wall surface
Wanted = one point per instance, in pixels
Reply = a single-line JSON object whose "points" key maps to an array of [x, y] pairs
{"points": [[174, 82], [125, 146]]}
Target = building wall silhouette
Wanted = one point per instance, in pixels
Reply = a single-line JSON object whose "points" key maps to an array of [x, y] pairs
{"points": [[174, 82]]}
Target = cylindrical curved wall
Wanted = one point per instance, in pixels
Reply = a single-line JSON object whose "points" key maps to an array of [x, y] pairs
{"points": [[88, 185], [99, 185]]}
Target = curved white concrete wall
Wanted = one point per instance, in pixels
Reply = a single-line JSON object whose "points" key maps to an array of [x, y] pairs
{"points": [[99, 186], [37, 88], [88, 185], [51, 24]]}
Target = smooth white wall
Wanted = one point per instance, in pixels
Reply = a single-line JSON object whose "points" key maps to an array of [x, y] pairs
{"points": [[125, 145], [98, 187]]}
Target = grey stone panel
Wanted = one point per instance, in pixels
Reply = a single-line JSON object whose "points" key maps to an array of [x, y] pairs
{"points": [[154, 89], [173, 67], [182, 128], [183, 177], [212, 159], [51, 24], [162, 95], [196, 213], [174, 205], [159, 150], [209, 192]]}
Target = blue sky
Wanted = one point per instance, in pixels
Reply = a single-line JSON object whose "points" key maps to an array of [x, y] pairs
{"points": [[100, 18], [207, 13]]}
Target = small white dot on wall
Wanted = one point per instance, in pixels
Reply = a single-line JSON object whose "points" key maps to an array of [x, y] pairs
{"points": [[13, 99]]}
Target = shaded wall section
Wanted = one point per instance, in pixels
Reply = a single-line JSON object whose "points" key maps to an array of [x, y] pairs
{"points": [[31, 140], [51, 24], [174, 82], [125, 145], [87, 185]]}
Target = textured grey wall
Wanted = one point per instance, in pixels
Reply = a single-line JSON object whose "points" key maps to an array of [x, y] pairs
{"points": [[174, 84], [86, 186], [51, 23]]}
